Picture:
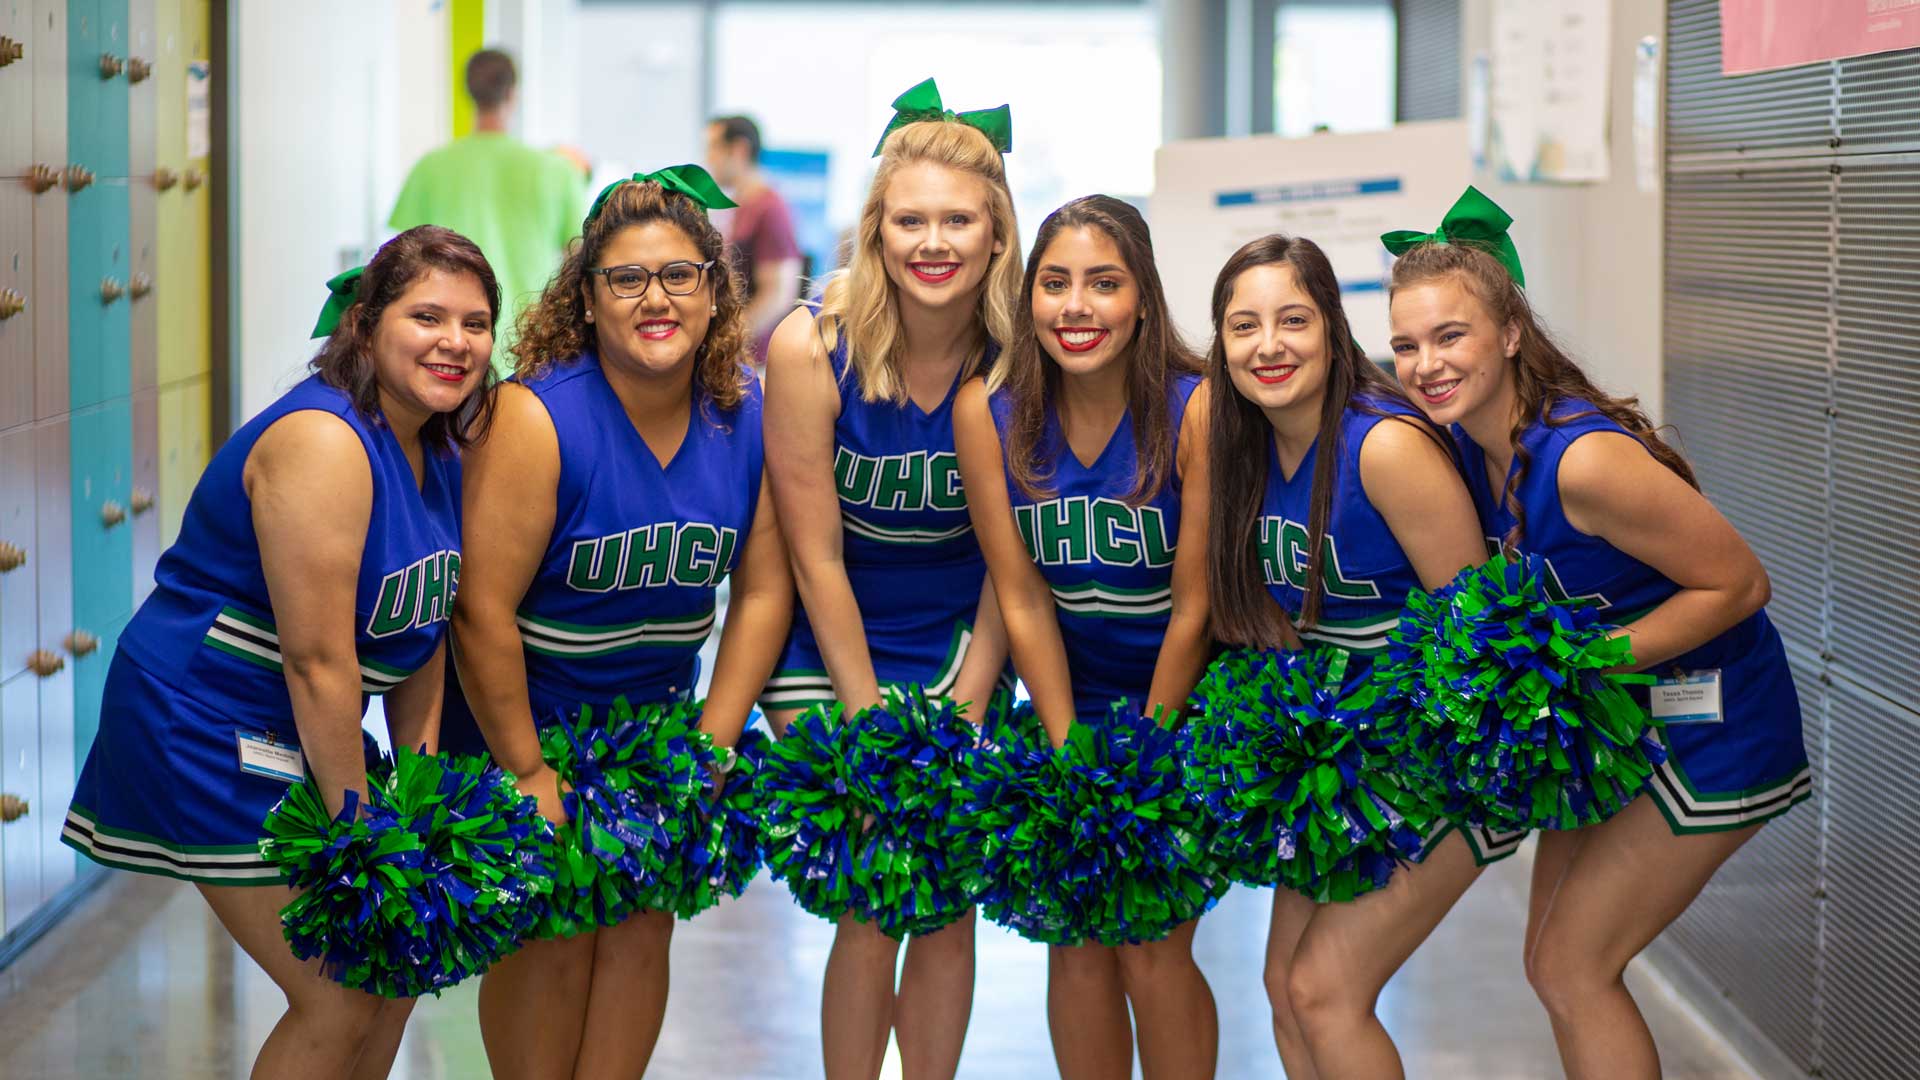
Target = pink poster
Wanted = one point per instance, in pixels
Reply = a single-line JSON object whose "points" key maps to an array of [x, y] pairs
{"points": [[1760, 35]]}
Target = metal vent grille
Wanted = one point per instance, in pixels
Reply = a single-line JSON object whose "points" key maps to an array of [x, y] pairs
{"points": [[1754, 930], [1745, 251], [1428, 83], [1792, 341], [1879, 103], [1876, 448], [1708, 113], [1868, 1028]]}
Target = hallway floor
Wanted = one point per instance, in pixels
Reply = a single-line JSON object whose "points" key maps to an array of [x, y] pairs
{"points": [[141, 981]]}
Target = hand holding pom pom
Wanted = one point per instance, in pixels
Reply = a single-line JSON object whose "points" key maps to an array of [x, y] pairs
{"points": [[1520, 717], [1293, 755]]}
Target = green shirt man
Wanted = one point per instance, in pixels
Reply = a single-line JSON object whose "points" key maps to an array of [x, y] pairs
{"points": [[522, 206]]}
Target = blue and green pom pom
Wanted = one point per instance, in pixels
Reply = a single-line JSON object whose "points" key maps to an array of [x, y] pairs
{"points": [[1098, 841], [637, 777], [1294, 754], [1521, 719], [722, 850], [429, 883], [855, 812]]}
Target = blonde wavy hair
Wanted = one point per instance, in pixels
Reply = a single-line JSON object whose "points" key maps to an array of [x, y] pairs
{"points": [[860, 303], [555, 330]]}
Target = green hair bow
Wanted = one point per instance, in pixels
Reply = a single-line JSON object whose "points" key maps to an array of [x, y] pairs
{"points": [[689, 180], [342, 290], [1475, 220], [922, 102]]}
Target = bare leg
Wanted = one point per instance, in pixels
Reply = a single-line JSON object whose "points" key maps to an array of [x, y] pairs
{"points": [[936, 998], [1087, 1013], [1552, 853], [326, 1024], [1631, 877], [383, 1040], [1350, 950], [1178, 1028], [533, 1007], [628, 999], [856, 1001], [1291, 912]]}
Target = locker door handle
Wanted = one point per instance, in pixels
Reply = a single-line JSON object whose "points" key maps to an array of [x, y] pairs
{"points": [[110, 65], [112, 513], [80, 643], [77, 177], [41, 178], [12, 808], [11, 303], [111, 290], [194, 179], [140, 286], [138, 69], [142, 501], [164, 178], [12, 556], [11, 50], [45, 663]]}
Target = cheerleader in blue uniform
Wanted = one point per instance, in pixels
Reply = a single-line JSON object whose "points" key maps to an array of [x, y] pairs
{"points": [[1334, 501], [892, 587], [620, 485], [1080, 461], [1563, 471], [315, 567]]}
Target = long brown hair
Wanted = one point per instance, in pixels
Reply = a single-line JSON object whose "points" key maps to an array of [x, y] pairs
{"points": [[345, 360], [1241, 443], [1155, 357], [1544, 376], [555, 329]]}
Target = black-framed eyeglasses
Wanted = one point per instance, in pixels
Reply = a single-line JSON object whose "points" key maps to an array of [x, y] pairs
{"points": [[680, 278]]}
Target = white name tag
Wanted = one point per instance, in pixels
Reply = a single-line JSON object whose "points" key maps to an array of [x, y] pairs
{"points": [[1691, 697], [265, 755]]}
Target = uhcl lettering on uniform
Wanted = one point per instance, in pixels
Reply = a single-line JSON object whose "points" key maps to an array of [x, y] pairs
{"points": [[1079, 530], [420, 595], [916, 481], [1284, 555], [691, 553]]}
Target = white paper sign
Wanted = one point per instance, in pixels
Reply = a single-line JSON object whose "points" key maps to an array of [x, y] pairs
{"points": [[1550, 85], [1341, 191], [199, 109]]}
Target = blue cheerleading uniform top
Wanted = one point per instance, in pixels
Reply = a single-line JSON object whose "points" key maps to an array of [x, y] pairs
{"points": [[208, 626], [1109, 564], [167, 788], [1748, 767], [624, 596], [1365, 575], [911, 557]]}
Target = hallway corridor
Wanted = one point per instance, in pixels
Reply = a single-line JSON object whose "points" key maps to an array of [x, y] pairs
{"points": [[141, 982]]}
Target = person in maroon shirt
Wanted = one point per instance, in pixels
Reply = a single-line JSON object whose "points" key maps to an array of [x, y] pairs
{"points": [[760, 231]]}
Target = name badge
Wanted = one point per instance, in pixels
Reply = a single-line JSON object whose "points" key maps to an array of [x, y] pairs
{"points": [[263, 754], [1689, 697]]}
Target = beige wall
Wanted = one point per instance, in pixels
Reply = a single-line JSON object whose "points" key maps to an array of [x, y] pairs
{"points": [[1593, 251]]}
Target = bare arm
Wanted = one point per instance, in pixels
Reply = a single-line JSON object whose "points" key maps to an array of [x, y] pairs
{"points": [[974, 684], [776, 286], [802, 403], [1183, 653], [508, 501], [1414, 485], [1025, 600], [312, 493], [1610, 487], [413, 707], [759, 612]]}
